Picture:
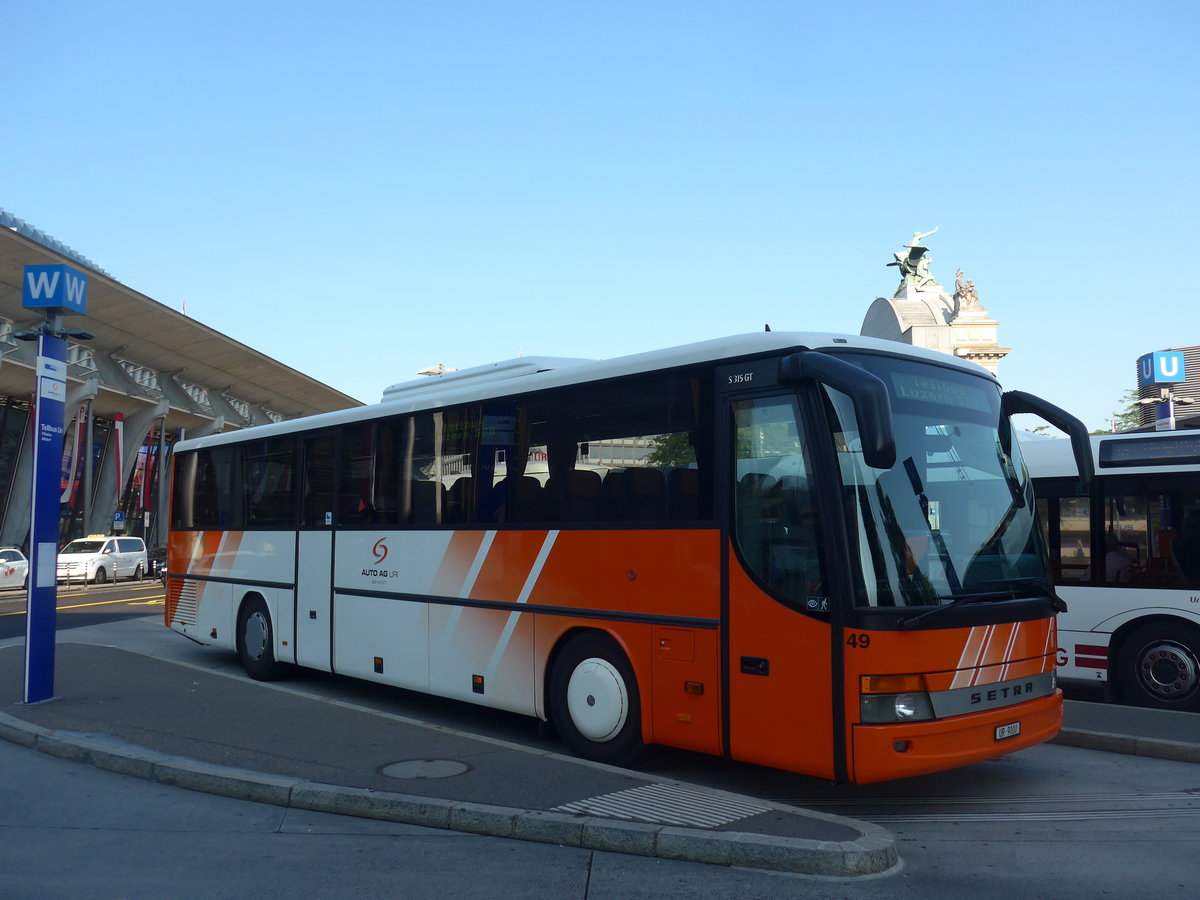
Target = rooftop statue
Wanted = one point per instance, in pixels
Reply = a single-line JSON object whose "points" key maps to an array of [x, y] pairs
{"points": [[965, 294], [913, 262]]}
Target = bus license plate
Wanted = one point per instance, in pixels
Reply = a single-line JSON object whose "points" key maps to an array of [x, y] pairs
{"points": [[1008, 731]]}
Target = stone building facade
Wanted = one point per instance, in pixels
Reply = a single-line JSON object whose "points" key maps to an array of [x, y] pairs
{"points": [[922, 313]]}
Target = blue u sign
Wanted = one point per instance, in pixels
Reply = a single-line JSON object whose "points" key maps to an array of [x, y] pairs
{"points": [[54, 287], [1163, 367]]}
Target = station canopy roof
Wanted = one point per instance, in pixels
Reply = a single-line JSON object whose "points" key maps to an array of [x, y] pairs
{"points": [[213, 374]]}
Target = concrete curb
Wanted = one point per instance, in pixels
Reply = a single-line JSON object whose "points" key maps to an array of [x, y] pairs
{"points": [[1177, 751], [871, 854]]}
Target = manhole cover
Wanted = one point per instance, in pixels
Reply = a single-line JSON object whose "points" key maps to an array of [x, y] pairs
{"points": [[425, 768]]}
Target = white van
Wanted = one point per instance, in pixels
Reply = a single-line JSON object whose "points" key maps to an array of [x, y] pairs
{"points": [[100, 558]]}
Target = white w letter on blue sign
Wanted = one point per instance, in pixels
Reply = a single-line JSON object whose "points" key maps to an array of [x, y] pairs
{"points": [[75, 289], [44, 286]]}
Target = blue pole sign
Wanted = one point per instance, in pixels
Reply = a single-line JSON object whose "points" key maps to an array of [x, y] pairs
{"points": [[1164, 416], [41, 604], [1163, 367], [57, 290], [54, 287]]}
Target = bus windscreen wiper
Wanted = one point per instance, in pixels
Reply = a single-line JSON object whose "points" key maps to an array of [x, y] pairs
{"points": [[957, 601], [1009, 593], [1041, 589]]}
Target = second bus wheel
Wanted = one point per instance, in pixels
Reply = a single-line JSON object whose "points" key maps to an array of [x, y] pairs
{"points": [[256, 641], [1159, 665], [594, 700]]}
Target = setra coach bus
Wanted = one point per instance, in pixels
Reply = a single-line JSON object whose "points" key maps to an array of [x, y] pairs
{"points": [[1126, 557], [810, 552]]}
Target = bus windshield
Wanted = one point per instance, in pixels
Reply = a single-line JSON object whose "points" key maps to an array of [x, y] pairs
{"points": [[953, 519]]}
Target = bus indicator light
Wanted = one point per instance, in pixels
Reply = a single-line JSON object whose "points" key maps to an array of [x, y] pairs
{"points": [[892, 684]]}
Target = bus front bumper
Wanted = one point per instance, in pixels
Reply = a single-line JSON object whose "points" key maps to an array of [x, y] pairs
{"points": [[882, 752]]}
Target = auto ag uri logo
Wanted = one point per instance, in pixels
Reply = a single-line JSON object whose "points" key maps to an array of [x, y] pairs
{"points": [[380, 574]]}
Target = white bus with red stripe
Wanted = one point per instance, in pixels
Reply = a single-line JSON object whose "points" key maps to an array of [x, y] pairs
{"points": [[1126, 558], [807, 551]]}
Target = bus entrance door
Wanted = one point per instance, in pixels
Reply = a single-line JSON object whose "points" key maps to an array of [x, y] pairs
{"points": [[779, 652], [314, 592]]}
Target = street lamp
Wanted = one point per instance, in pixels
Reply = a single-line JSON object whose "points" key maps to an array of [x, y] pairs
{"points": [[54, 330], [1170, 398]]}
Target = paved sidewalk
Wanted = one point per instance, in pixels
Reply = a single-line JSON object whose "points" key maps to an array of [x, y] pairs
{"points": [[179, 725], [196, 728], [1130, 729]]}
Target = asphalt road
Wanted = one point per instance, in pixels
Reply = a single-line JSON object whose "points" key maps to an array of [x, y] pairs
{"points": [[83, 605], [1052, 821]]}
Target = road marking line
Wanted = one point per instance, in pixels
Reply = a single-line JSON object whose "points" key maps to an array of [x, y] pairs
{"points": [[21, 612]]}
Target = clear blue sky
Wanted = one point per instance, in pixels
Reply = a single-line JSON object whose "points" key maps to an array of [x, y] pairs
{"points": [[365, 189]]}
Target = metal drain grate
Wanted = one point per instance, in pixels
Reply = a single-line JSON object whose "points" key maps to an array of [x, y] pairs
{"points": [[665, 804]]}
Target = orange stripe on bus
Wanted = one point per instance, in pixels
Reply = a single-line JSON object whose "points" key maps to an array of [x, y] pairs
{"points": [[452, 572]]}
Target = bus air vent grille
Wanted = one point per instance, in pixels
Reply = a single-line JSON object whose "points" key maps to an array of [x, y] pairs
{"points": [[188, 607]]}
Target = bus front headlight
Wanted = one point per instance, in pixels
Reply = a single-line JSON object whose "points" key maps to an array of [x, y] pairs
{"points": [[894, 698]]}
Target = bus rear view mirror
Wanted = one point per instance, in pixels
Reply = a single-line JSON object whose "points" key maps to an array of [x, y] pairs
{"points": [[1013, 402], [872, 408]]}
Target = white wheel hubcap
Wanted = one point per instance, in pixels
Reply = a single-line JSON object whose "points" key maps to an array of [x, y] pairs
{"points": [[597, 700], [255, 635]]}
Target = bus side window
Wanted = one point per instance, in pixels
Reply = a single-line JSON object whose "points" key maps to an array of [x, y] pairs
{"points": [[218, 497], [317, 485], [683, 494], [183, 492], [1155, 525], [385, 469], [356, 501], [1066, 525], [268, 481], [454, 442], [775, 520], [1185, 546]]}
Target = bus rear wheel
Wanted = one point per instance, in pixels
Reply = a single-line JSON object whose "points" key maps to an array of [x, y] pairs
{"points": [[1159, 666], [594, 700], [256, 641]]}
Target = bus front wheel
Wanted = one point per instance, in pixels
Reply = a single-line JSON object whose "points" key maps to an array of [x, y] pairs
{"points": [[1159, 665], [594, 700], [256, 641]]}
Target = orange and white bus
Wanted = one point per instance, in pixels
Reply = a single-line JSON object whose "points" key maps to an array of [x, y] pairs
{"points": [[810, 552]]}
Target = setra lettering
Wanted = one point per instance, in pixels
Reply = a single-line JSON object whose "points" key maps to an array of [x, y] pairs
{"points": [[1000, 694]]}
